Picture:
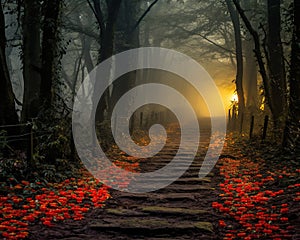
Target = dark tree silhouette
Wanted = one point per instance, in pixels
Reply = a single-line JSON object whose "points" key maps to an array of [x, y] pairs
{"points": [[107, 27], [239, 58], [128, 39], [276, 68], [250, 66], [291, 140], [49, 50], [262, 67], [8, 113], [31, 58]]}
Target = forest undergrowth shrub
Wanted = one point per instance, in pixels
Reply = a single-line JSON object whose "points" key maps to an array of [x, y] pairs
{"points": [[14, 166]]}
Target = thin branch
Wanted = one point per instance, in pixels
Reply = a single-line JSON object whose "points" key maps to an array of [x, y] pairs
{"points": [[144, 15], [17, 101], [93, 10], [216, 44], [98, 14], [82, 30], [205, 38], [224, 32]]}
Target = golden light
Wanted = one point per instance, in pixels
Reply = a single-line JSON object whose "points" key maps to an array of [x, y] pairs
{"points": [[262, 106], [234, 98]]}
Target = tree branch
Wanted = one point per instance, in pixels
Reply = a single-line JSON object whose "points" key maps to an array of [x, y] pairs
{"points": [[144, 15], [98, 14], [205, 38], [82, 30]]}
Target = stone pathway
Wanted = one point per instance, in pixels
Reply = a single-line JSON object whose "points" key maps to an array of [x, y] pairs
{"points": [[181, 210]]}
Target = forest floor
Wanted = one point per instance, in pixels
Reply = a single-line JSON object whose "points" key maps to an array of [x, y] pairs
{"points": [[250, 194]]}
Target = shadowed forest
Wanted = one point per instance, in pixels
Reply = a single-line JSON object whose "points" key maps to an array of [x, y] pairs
{"points": [[51, 49]]}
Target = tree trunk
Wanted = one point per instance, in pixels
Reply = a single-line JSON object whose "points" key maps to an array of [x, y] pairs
{"points": [[291, 140], [250, 67], [8, 113], [250, 78], [276, 65], [107, 33], [88, 62], [85, 42], [239, 59], [258, 55], [128, 16], [49, 51], [31, 59]]}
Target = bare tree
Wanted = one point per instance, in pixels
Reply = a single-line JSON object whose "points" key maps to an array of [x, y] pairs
{"points": [[250, 66], [107, 33], [270, 99], [8, 113], [106, 25], [276, 68], [31, 58], [128, 38], [239, 58], [49, 50], [291, 140]]}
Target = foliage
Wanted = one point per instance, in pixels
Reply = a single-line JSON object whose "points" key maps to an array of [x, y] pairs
{"points": [[257, 195], [3, 140], [51, 173], [15, 166], [246, 196], [54, 142], [39, 203]]}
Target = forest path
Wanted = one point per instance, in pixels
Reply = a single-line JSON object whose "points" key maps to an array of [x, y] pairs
{"points": [[251, 193], [182, 210]]}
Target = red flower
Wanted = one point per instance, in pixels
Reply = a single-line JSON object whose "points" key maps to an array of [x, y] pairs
{"points": [[222, 223], [284, 210]]}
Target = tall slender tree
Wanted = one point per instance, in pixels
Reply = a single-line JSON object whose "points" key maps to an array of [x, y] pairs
{"points": [[239, 58], [128, 38], [8, 114], [276, 68], [250, 66], [291, 140], [269, 93], [107, 27], [31, 58], [49, 50]]}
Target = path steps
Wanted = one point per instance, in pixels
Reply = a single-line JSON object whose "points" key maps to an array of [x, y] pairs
{"points": [[181, 210]]}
